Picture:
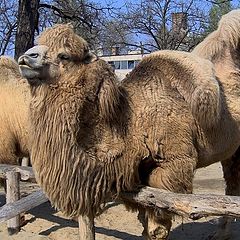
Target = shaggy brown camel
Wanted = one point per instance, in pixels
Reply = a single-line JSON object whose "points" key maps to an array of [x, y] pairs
{"points": [[14, 100], [94, 137], [222, 49]]}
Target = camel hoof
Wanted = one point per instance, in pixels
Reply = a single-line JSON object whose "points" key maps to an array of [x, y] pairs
{"points": [[160, 233]]}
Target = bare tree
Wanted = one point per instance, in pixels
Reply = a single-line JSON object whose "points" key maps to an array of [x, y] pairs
{"points": [[113, 35], [166, 24], [86, 16], [27, 25], [150, 25], [8, 18]]}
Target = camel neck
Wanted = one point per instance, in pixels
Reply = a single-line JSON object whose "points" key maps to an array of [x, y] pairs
{"points": [[77, 160]]}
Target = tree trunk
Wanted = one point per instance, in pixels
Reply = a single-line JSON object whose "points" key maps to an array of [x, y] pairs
{"points": [[27, 25]]}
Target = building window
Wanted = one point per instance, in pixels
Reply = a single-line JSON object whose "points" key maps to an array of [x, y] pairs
{"points": [[117, 64], [124, 65], [130, 64], [112, 64]]}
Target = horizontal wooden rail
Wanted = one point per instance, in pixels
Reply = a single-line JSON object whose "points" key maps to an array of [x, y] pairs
{"points": [[10, 210], [193, 206]]}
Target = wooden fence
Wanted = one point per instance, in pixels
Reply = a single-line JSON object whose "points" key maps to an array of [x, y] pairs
{"points": [[193, 206], [14, 205]]}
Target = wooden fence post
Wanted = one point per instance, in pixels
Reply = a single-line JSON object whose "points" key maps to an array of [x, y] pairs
{"points": [[13, 194], [25, 162], [86, 228]]}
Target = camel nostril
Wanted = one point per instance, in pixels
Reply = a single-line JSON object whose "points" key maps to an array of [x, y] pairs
{"points": [[21, 61]]}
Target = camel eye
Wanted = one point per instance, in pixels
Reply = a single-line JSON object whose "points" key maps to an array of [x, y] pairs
{"points": [[63, 56]]}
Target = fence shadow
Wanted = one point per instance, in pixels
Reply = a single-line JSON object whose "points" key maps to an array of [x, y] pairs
{"points": [[45, 211], [202, 230], [2, 199]]}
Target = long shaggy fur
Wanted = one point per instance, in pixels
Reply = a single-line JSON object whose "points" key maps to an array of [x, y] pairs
{"points": [[97, 172]]}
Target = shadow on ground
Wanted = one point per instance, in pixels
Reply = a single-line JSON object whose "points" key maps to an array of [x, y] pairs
{"points": [[2, 199], [202, 230], [186, 231]]}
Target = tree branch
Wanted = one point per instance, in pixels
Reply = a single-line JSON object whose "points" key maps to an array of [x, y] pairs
{"points": [[217, 2], [64, 14]]}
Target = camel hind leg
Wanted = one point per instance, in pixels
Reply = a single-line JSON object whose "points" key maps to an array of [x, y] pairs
{"points": [[231, 174]]}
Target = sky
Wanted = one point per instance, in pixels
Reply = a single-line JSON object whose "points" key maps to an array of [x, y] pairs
{"points": [[120, 3]]}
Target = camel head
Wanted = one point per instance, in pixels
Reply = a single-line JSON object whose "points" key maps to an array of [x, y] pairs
{"points": [[59, 53]]}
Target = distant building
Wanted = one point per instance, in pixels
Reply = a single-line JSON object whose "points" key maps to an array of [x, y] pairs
{"points": [[179, 30], [179, 24], [123, 64]]}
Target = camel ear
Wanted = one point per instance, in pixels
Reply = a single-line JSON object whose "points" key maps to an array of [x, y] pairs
{"points": [[90, 57]]}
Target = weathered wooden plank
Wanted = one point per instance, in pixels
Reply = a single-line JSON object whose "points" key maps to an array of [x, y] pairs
{"points": [[25, 172], [10, 210], [193, 206], [13, 194]]}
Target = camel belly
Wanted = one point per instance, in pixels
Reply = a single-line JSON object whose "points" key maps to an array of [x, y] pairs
{"points": [[217, 156]]}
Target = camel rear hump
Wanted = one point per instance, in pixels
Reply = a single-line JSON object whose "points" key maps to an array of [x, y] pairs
{"points": [[195, 80]]}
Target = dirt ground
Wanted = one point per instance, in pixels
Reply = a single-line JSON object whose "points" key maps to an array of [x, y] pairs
{"points": [[43, 222]]}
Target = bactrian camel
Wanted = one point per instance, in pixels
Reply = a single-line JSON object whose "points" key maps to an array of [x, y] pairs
{"points": [[94, 137]]}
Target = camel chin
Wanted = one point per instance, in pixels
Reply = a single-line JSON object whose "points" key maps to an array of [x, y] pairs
{"points": [[29, 72]]}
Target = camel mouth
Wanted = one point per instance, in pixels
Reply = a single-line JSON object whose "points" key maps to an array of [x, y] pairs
{"points": [[29, 68], [22, 62], [22, 66], [26, 62], [29, 73]]}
